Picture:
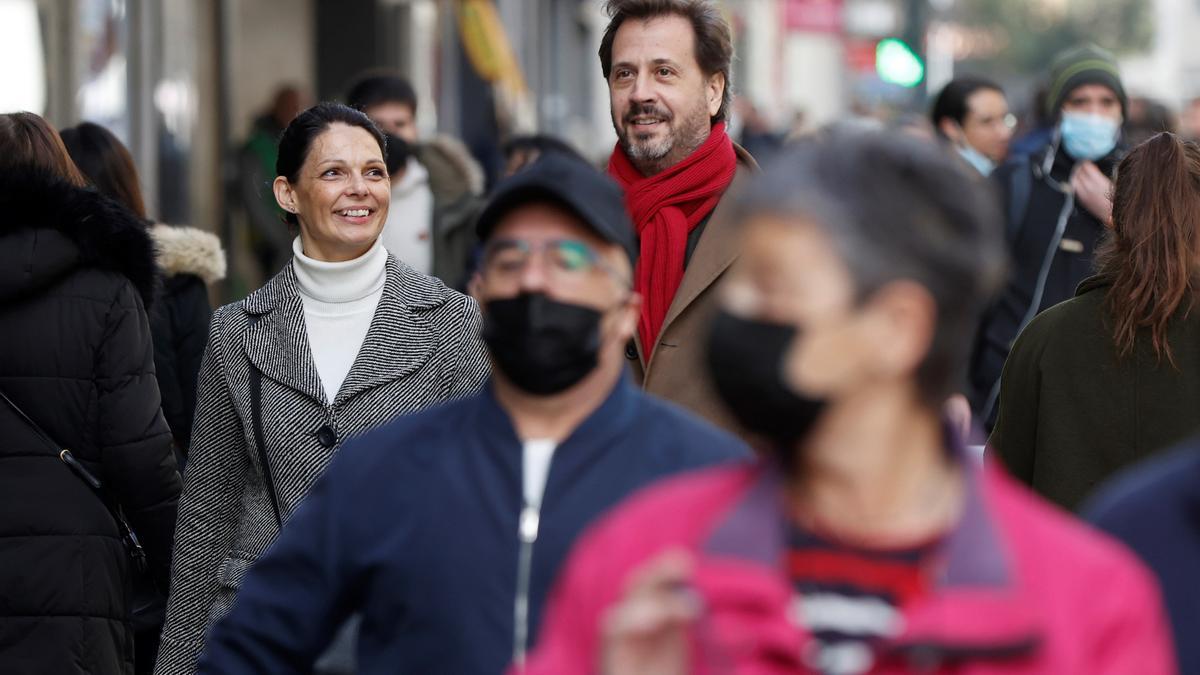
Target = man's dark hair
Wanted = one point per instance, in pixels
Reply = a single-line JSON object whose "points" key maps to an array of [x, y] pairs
{"points": [[539, 144], [897, 208], [951, 102], [714, 42], [298, 137], [381, 87]]}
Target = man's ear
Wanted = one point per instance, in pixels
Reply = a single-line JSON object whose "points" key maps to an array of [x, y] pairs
{"points": [[905, 320], [716, 93], [951, 129], [474, 288]]}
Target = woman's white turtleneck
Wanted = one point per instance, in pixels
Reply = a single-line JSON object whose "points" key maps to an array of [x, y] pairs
{"points": [[339, 302]]}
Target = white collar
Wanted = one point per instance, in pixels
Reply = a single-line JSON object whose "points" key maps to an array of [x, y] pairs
{"points": [[340, 281]]}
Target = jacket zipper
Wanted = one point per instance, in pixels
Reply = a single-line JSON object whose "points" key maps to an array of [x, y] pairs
{"points": [[527, 533]]}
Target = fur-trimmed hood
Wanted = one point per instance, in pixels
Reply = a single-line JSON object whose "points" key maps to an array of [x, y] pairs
{"points": [[48, 228], [187, 250]]}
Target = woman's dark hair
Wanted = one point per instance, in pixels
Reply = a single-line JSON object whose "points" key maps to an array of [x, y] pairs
{"points": [[298, 137], [714, 41], [28, 141], [951, 102], [927, 222], [1151, 253], [106, 163]]}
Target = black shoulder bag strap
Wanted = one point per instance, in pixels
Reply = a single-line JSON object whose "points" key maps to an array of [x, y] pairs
{"points": [[256, 422], [128, 537]]}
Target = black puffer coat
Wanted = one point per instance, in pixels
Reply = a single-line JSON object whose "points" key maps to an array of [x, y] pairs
{"points": [[76, 271]]}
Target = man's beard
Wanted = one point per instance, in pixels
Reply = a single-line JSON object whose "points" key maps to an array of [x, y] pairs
{"points": [[679, 141]]}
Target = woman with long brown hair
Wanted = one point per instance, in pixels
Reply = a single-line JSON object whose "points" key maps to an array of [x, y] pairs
{"points": [[1113, 375], [84, 445]]}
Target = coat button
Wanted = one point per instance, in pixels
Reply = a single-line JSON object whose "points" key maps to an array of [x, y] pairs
{"points": [[631, 351], [326, 436]]}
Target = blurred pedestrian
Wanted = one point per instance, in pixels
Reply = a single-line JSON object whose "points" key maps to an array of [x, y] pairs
{"points": [[759, 137], [1152, 509], [1113, 375], [343, 339], [971, 115], [435, 204], [271, 244], [1057, 206], [188, 258], [667, 63], [1148, 118], [445, 529], [522, 151], [79, 406], [865, 541]]}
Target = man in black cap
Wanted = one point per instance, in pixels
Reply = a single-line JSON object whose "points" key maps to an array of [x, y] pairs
{"points": [[1057, 207], [444, 530]]}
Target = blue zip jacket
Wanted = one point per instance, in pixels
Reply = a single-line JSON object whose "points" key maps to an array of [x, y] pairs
{"points": [[415, 527]]}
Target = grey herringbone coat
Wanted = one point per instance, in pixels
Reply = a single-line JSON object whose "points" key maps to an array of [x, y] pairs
{"points": [[423, 347]]}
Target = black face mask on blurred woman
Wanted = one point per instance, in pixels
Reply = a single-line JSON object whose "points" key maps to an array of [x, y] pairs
{"points": [[543, 346], [746, 359]]}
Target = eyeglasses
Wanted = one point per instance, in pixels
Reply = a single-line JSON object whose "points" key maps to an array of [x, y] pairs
{"points": [[563, 261]]}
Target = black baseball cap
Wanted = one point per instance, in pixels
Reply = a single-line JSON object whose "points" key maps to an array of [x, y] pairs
{"points": [[571, 184]]}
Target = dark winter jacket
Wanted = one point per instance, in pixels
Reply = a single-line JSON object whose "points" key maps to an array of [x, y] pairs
{"points": [[76, 271], [189, 259], [456, 182], [417, 526], [1048, 235], [1072, 413], [1155, 510]]}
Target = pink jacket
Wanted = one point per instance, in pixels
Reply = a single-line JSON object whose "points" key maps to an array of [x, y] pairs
{"points": [[1023, 588]]}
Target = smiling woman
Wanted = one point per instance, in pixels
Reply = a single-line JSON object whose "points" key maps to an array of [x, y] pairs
{"points": [[343, 339]]}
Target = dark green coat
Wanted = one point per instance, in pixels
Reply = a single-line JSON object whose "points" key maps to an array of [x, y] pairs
{"points": [[1072, 413]]}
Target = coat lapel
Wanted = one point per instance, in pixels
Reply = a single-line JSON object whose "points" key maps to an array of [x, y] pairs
{"points": [[717, 250], [398, 342], [277, 343]]}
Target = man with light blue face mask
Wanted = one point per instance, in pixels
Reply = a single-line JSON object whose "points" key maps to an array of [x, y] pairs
{"points": [[971, 115], [1057, 207]]}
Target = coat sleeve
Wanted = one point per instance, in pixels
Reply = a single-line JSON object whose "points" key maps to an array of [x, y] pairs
{"points": [[293, 600], [135, 443], [471, 366], [1014, 438], [1132, 634], [190, 321], [208, 512]]}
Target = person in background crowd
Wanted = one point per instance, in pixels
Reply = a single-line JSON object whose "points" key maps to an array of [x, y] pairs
{"points": [[76, 273], [445, 529], [522, 151], [1152, 509], [1148, 118], [1113, 375], [667, 64], [271, 244], [914, 125], [189, 260], [864, 541], [435, 203], [1056, 205], [1189, 125], [1035, 128], [971, 115], [759, 138], [343, 339]]}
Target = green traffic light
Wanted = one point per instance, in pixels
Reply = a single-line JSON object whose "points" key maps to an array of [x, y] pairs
{"points": [[897, 64]]}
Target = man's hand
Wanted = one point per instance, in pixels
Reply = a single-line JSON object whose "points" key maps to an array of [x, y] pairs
{"points": [[646, 632], [1094, 191]]}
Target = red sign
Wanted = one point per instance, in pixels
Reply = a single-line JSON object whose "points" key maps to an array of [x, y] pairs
{"points": [[860, 55], [814, 16]]}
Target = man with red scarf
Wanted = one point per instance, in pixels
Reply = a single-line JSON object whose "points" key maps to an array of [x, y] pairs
{"points": [[667, 64]]}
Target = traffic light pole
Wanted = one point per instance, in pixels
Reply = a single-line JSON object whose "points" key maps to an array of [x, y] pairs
{"points": [[916, 21]]}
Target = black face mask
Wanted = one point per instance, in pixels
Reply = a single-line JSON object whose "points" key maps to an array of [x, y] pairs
{"points": [[746, 360], [543, 346]]}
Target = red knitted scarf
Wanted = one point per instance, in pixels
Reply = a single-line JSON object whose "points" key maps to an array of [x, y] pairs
{"points": [[664, 208]]}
